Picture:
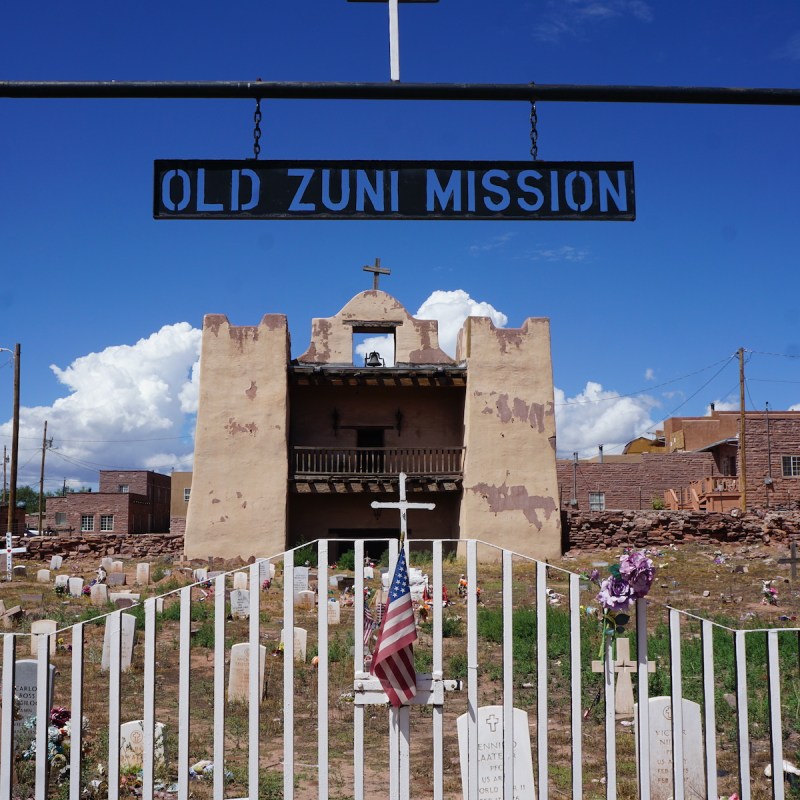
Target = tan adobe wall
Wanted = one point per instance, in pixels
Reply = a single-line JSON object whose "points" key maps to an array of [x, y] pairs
{"points": [[416, 340], [238, 502], [178, 507], [631, 484], [510, 483]]}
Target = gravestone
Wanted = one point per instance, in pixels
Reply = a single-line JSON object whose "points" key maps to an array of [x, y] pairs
{"points": [[334, 612], [625, 668], [11, 616], [116, 566], [20, 571], [35, 598], [106, 563], [116, 579], [266, 570], [56, 562], [490, 753], [43, 576], [369, 573], [98, 594], [418, 583], [130, 597], [239, 677], [131, 745], [200, 575], [306, 599], [300, 641], [128, 622], [76, 587], [143, 574], [62, 581], [240, 604], [43, 627], [300, 581], [661, 783], [26, 684], [239, 580]]}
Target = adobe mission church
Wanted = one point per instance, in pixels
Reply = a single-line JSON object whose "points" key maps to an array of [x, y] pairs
{"points": [[292, 450]]}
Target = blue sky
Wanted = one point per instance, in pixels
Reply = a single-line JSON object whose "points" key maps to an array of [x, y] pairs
{"points": [[107, 302]]}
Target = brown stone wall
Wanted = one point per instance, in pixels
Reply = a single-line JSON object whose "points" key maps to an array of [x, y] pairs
{"points": [[143, 546], [610, 529], [631, 484]]}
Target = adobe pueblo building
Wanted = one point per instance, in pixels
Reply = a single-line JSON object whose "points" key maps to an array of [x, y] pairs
{"points": [[288, 451]]}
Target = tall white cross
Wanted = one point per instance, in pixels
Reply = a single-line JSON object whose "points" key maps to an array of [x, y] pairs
{"points": [[9, 550], [403, 505], [394, 32]]}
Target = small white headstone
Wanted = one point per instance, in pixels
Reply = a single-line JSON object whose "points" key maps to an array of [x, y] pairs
{"points": [[43, 576], [300, 581], [240, 604], [143, 574], [418, 583], [116, 566], [62, 580], [131, 745], [306, 599], [369, 573], [490, 753], [239, 580], [239, 677], [76, 587], [98, 594], [128, 622], [56, 562], [43, 627], [300, 641], [200, 575], [106, 563], [334, 612], [661, 784]]}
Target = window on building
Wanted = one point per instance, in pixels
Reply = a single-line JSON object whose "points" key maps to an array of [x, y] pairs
{"points": [[791, 466], [61, 518], [597, 501], [87, 522], [124, 488], [186, 495], [106, 522]]}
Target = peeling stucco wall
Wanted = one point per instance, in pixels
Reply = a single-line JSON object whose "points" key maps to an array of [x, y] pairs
{"points": [[238, 489], [510, 483]]}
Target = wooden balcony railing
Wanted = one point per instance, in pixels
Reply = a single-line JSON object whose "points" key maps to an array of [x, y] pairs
{"points": [[378, 461]]}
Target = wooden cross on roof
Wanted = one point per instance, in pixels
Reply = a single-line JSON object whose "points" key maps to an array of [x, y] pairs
{"points": [[376, 271]]}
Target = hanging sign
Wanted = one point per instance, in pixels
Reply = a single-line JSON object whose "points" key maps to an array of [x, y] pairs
{"points": [[504, 190]]}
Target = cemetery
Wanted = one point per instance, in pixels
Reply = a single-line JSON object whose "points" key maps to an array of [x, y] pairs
{"points": [[157, 690]]}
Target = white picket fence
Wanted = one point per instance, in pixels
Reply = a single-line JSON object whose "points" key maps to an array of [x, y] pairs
{"points": [[413, 751]]}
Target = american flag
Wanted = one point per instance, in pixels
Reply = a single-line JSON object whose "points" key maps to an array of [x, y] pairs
{"points": [[370, 624], [393, 659]]}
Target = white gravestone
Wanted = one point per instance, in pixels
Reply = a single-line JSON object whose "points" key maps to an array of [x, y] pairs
{"points": [[239, 580], [56, 562], [625, 668], [240, 604], [76, 587], [143, 574], [490, 753], [300, 641], [43, 627], [131, 745], [306, 599], [266, 569], [661, 783], [43, 576], [200, 575], [26, 684], [62, 581], [334, 612], [128, 622], [98, 594], [116, 566], [300, 581], [239, 677], [106, 563], [369, 573]]}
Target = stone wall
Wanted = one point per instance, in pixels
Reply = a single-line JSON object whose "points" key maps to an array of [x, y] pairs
{"points": [[91, 546], [585, 530]]}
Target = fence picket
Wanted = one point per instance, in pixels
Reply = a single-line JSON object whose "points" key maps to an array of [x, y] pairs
{"points": [[676, 672], [76, 730]]}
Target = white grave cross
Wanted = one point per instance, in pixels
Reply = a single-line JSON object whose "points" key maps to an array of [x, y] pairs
{"points": [[625, 668], [403, 505], [9, 550]]}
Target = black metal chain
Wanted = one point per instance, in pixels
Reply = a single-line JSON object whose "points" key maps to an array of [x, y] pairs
{"points": [[257, 130], [534, 130]]}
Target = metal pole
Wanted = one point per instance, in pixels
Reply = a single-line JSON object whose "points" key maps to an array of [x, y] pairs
{"points": [[41, 478], [742, 454], [301, 90], [12, 482]]}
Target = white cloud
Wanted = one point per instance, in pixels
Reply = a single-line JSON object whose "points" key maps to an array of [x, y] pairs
{"points": [[722, 405], [121, 402], [494, 243], [451, 309], [564, 253], [791, 49], [383, 345], [597, 416], [573, 17], [649, 374]]}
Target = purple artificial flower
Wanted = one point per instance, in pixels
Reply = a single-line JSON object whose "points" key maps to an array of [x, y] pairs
{"points": [[615, 594], [638, 570], [594, 576]]}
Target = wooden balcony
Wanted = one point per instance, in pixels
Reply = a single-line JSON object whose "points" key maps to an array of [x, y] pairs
{"points": [[376, 462], [714, 493]]}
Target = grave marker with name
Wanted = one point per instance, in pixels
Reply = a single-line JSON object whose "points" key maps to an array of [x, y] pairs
{"points": [[239, 580], [43, 576], [26, 684], [143, 574], [240, 604], [128, 622], [300, 641], [43, 627], [98, 594], [300, 581], [131, 745], [334, 612], [239, 677], [56, 562], [76, 586]]}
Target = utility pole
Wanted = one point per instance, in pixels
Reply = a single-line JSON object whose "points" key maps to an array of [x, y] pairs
{"points": [[5, 481], [742, 454], [45, 445], [12, 489]]}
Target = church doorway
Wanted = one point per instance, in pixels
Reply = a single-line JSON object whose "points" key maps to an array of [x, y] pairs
{"points": [[372, 550]]}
